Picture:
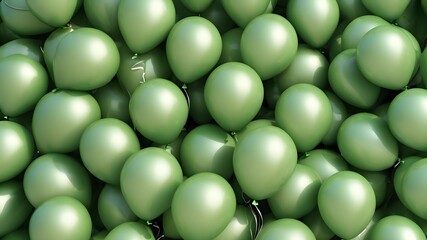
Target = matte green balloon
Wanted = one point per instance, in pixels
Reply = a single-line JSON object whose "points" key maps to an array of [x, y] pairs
{"points": [[339, 114], [231, 46], [25, 46], [243, 11], [269, 44], [241, 227], [199, 112], [218, 16], [158, 110], [387, 9], [297, 197], [113, 101], [347, 81], [407, 117], [47, 221], [314, 221], [55, 13], [23, 81], [16, 147], [145, 24], [400, 172], [380, 182], [15, 207], [305, 113], [365, 141], [346, 203], [352, 9], [203, 206], [53, 175], [315, 21], [131, 230], [148, 180], [85, 59], [20, 234], [193, 48], [325, 162], [396, 227], [169, 226], [103, 15], [196, 6], [51, 44], [386, 57], [286, 228], [264, 159], [231, 105], [413, 191]]}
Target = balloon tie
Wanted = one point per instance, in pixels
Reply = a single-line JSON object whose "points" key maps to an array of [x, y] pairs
{"points": [[140, 67], [184, 88], [234, 135], [256, 213]]}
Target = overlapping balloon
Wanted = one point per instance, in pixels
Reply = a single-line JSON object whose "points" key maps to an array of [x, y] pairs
{"points": [[213, 119]]}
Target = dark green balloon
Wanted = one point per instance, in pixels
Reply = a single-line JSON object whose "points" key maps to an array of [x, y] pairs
{"points": [[389, 10], [25, 46], [396, 228], [181, 11], [203, 206], [131, 230], [264, 159], [413, 191], [103, 15], [241, 227], [47, 221], [269, 44], [351, 9], [334, 45], [174, 147], [55, 13], [169, 226], [198, 109], [314, 221], [20, 234], [231, 46], [339, 114], [113, 101], [286, 228], [99, 235], [51, 44], [423, 66], [243, 11], [158, 110], [59, 119], [196, 6], [325, 162], [357, 28], [218, 16], [231, 105]]}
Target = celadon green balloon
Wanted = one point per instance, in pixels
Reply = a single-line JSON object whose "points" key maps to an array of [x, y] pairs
{"points": [[23, 81], [103, 15], [169, 226], [59, 119], [193, 48], [269, 44], [231, 105], [264, 159], [158, 110], [113, 101], [51, 44], [297, 197], [196, 6], [365, 141], [413, 192], [52, 175], [407, 116], [207, 148], [314, 221], [15, 207], [400, 172], [199, 112], [47, 221], [286, 228], [308, 66], [325, 162], [148, 180], [243, 11], [346, 203], [231, 46], [137, 18], [241, 227], [203, 206], [315, 21], [351, 9], [305, 113], [218, 16], [53, 12], [386, 57], [396, 228], [380, 182], [112, 207], [105, 145], [16, 147], [85, 59], [389, 10], [131, 230], [357, 28], [339, 114], [347, 81], [29, 47]]}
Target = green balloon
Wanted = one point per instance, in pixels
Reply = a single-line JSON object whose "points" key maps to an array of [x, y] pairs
{"points": [[47, 221], [348, 82], [103, 15], [305, 113], [346, 203], [137, 18], [231, 105], [407, 116], [51, 44], [169, 226], [413, 192], [148, 180], [218, 16], [315, 21], [387, 9], [314, 221], [85, 59], [400, 172], [396, 227], [25, 46], [99, 235], [334, 45], [286, 228], [199, 112], [193, 48], [203, 206], [241, 227], [23, 81], [53, 12], [386, 57], [243, 11], [113, 101], [352, 9], [269, 44], [325, 162], [260, 168], [418, 52], [15, 207], [196, 6], [53, 175], [158, 110], [16, 147], [231, 46], [255, 124], [380, 182], [20, 234], [396, 207], [174, 147], [378, 215], [131, 230], [339, 114], [297, 197]]}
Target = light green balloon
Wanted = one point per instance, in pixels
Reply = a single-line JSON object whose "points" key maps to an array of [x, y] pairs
{"points": [[396, 228], [51, 44], [387, 9], [339, 114], [357, 28], [53, 12], [131, 230], [243, 11], [286, 228], [255, 124], [400, 172], [325, 162], [241, 227]]}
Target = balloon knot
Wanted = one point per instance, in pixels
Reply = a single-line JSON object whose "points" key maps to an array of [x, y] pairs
{"points": [[149, 223], [135, 56], [55, 90], [255, 203], [306, 154]]}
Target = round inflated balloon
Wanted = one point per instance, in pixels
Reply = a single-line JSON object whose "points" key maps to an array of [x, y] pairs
{"points": [[218, 16], [231, 105], [16, 147], [199, 112], [386, 57], [148, 181], [315, 21], [55, 13], [203, 206], [339, 114], [103, 15], [314, 221], [389, 10], [131, 230], [325, 162], [269, 44], [50, 46], [231, 46], [159, 110], [260, 168], [255, 124], [407, 116], [351, 9], [15, 207], [113, 101], [26, 46], [346, 203], [305, 113], [380, 182], [357, 28], [196, 6], [243, 11], [241, 227], [23, 81], [396, 228], [169, 226], [47, 221], [138, 18], [286, 228], [413, 192], [400, 172], [196, 37]]}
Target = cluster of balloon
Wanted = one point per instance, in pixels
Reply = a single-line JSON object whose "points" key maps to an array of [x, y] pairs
{"points": [[213, 119]]}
